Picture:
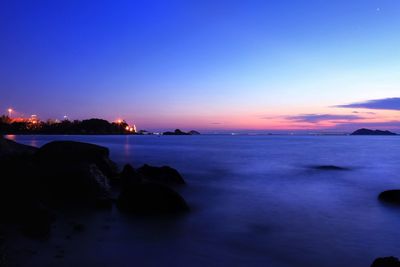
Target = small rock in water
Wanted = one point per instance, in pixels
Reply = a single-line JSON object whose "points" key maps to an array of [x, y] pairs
{"points": [[329, 168], [386, 262], [392, 196]]}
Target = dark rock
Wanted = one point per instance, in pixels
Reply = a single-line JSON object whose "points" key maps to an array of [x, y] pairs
{"points": [[329, 168], [391, 196], [193, 132], [77, 152], [151, 199], [372, 132], [74, 173], [19, 199], [129, 176], [386, 262], [10, 148], [165, 175], [176, 132], [73, 184], [104, 202], [18, 188], [36, 221], [78, 227]]}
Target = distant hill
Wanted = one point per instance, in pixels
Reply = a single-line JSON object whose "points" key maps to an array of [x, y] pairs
{"points": [[372, 132], [84, 127]]}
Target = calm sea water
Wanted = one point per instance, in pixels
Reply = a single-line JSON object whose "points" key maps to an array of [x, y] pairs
{"points": [[255, 202]]}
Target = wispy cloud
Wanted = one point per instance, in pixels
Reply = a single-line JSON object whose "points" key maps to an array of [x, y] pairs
{"points": [[368, 112], [316, 118], [392, 103]]}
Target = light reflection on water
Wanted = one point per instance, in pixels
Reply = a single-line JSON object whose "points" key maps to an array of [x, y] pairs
{"points": [[127, 147], [11, 137], [255, 202]]}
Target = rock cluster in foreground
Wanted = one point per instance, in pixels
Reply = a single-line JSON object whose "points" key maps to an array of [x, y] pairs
{"points": [[36, 183]]}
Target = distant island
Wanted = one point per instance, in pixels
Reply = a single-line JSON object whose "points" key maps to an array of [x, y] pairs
{"points": [[179, 132], [92, 126], [364, 131]]}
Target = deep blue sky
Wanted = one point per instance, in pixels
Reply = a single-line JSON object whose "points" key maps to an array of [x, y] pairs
{"points": [[204, 64]]}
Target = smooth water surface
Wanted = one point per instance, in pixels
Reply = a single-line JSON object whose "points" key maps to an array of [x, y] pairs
{"points": [[255, 202]]}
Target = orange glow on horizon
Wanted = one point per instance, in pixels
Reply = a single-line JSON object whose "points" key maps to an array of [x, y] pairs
{"points": [[273, 120]]}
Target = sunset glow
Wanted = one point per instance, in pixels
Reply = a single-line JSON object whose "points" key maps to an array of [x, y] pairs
{"points": [[281, 65]]}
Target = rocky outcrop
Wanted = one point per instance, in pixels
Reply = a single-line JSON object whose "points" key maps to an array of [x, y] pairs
{"points": [[33, 182], [151, 199], [386, 262], [163, 175]]}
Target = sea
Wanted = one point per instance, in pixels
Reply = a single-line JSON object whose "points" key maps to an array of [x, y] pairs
{"points": [[255, 201]]}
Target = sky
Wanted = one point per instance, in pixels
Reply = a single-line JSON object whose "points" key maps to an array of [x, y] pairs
{"points": [[208, 65]]}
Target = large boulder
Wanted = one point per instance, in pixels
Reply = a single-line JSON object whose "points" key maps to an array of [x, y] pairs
{"points": [[391, 196], [73, 184], [386, 262], [17, 186], [163, 175], [77, 152], [20, 197], [151, 199], [129, 176]]}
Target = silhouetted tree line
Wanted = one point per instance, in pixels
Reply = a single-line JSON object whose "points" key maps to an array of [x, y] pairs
{"points": [[90, 126]]}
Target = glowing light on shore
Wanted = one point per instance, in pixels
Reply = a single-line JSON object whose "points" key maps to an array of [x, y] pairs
{"points": [[10, 110]]}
